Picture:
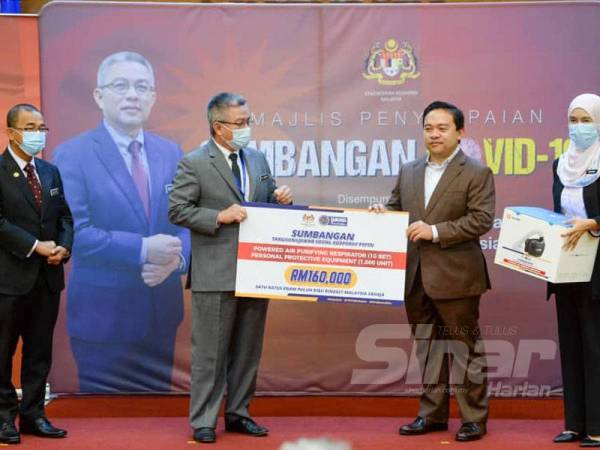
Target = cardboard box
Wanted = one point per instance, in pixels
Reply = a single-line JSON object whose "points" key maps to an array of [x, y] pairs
{"points": [[530, 242]]}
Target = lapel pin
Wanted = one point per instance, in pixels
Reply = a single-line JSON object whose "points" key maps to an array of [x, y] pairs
{"points": [[16, 174]]}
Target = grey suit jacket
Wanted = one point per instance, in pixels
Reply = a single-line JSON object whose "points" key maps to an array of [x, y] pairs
{"points": [[462, 209], [203, 186]]}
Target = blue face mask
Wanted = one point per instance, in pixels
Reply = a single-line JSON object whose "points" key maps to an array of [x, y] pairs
{"points": [[33, 142], [241, 138], [583, 135]]}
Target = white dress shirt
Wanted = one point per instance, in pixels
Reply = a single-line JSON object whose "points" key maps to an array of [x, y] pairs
{"points": [[433, 174], [123, 140], [242, 166]]}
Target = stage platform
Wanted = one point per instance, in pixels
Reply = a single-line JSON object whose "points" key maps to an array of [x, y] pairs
{"points": [[369, 423], [365, 433]]}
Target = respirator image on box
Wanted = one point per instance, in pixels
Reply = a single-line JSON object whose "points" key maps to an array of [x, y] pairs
{"points": [[532, 243], [535, 247]]}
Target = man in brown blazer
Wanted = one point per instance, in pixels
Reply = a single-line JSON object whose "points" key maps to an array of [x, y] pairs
{"points": [[451, 201]]}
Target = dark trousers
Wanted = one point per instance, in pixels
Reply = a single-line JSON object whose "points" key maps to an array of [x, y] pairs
{"points": [[114, 367], [32, 317], [450, 353], [579, 340]]}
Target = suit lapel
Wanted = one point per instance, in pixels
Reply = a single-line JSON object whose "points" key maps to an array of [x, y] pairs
{"points": [[252, 174], [455, 167], [419, 185], [46, 181], [108, 153], [12, 168], [156, 166], [218, 161]]}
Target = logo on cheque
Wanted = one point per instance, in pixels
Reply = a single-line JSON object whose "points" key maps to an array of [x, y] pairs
{"points": [[391, 65], [308, 219], [337, 221]]}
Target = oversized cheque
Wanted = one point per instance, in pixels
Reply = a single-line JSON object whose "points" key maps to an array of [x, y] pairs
{"points": [[322, 255]]}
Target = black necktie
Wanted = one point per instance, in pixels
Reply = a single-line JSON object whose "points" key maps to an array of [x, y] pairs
{"points": [[236, 171]]}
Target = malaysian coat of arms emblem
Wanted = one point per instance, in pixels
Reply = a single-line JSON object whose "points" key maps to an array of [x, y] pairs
{"points": [[391, 65]]}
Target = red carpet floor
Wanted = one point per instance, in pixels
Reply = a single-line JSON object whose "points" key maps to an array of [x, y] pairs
{"points": [[369, 433]]}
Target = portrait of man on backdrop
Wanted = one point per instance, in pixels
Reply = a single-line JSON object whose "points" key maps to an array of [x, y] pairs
{"points": [[124, 291]]}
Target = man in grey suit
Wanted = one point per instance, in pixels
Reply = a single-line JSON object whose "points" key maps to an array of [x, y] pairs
{"points": [[451, 201], [227, 331]]}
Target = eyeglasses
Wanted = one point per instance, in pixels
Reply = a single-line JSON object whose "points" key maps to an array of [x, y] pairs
{"points": [[122, 86], [32, 129], [239, 123]]}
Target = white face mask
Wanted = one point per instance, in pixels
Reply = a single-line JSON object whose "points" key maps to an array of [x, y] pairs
{"points": [[241, 138], [33, 142], [583, 135]]}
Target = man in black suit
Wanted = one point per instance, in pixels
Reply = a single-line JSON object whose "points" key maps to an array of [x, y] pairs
{"points": [[36, 235]]}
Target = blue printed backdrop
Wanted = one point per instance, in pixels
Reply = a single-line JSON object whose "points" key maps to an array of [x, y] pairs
{"points": [[337, 93]]}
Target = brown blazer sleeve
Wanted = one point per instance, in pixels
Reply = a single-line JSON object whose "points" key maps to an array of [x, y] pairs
{"points": [[479, 216]]}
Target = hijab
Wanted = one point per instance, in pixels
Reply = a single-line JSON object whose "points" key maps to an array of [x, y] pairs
{"points": [[581, 167]]}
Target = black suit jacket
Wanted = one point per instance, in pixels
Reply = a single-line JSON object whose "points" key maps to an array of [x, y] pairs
{"points": [[21, 224], [591, 201]]}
